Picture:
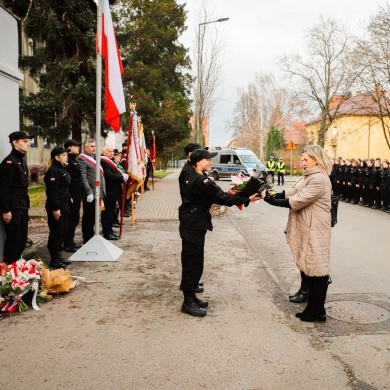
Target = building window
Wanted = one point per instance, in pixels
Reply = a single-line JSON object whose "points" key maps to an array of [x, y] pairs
{"points": [[46, 144], [34, 142]]}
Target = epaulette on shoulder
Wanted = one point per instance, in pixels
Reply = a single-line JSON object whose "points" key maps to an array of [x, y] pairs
{"points": [[206, 181]]}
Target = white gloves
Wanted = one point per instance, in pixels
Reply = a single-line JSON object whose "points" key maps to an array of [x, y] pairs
{"points": [[89, 198], [125, 177]]}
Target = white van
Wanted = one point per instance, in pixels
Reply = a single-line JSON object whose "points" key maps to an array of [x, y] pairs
{"points": [[233, 161]]}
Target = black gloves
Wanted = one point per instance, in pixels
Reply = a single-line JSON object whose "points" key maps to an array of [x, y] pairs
{"points": [[277, 200], [279, 195]]}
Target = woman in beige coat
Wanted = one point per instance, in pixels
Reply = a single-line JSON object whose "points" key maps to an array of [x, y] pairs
{"points": [[308, 229]]}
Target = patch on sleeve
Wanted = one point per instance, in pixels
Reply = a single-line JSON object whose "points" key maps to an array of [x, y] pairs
{"points": [[52, 179], [206, 181], [186, 182], [9, 162]]}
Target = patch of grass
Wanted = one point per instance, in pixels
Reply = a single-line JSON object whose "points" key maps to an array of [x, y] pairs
{"points": [[161, 174], [37, 193]]}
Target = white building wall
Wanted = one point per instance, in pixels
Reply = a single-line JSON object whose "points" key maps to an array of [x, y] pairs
{"points": [[9, 89]]}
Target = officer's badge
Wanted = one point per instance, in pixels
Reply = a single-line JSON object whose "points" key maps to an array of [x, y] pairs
{"points": [[9, 162], [52, 179]]}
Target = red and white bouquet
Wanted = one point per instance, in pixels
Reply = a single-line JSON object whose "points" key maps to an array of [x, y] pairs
{"points": [[16, 280]]}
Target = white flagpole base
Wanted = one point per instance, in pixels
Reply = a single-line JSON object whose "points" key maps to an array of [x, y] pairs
{"points": [[97, 249]]}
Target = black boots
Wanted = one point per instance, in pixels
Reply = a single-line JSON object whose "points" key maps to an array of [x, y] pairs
{"points": [[302, 294], [299, 296], [315, 310], [56, 262], [193, 306]]}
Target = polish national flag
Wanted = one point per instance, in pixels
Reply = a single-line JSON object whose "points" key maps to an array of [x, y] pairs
{"points": [[115, 99]]}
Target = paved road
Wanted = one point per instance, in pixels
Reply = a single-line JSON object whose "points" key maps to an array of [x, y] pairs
{"points": [[128, 333]]}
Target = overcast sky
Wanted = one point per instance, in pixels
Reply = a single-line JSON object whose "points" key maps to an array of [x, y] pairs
{"points": [[259, 31]]}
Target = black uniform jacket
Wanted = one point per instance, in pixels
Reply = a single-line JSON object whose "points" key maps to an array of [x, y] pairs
{"points": [[114, 180], [183, 178], [14, 182], [74, 169], [200, 193], [57, 181]]}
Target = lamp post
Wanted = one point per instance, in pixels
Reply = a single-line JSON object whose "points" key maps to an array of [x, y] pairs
{"points": [[199, 90]]}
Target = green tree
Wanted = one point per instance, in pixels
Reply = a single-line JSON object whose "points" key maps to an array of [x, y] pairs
{"points": [[274, 141], [64, 67], [156, 69]]}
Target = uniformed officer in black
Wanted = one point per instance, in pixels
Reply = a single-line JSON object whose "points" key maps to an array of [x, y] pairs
{"points": [[187, 169], [14, 200], [183, 180], [76, 190], [195, 219], [58, 204]]}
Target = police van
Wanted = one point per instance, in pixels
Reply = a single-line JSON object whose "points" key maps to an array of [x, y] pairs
{"points": [[232, 161]]}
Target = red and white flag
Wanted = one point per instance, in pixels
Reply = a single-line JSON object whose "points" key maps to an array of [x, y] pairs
{"points": [[115, 99], [153, 155]]}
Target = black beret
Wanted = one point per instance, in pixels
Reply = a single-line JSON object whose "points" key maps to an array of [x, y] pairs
{"points": [[19, 135], [200, 154]]}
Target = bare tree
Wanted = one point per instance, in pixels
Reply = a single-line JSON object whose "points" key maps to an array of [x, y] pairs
{"points": [[208, 59], [262, 106], [373, 54], [325, 71]]}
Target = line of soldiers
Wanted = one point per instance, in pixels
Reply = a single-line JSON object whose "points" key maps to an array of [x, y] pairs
{"points": [[365, 182]]}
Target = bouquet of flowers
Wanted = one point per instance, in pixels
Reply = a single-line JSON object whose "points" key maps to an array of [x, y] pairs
{"points": [[16, 280], [257, 182]]}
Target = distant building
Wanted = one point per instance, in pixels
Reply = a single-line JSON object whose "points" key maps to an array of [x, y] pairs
{"points": [[357, 130]]}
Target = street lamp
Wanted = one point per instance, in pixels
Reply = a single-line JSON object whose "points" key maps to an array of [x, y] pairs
{"points": [[199, 92]]}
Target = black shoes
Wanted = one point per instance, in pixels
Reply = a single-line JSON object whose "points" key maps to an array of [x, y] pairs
{"points": [[300, 296], [111, 237], [312, 318], [200, 303], [116, 225], [56, 264], [192, 308]]}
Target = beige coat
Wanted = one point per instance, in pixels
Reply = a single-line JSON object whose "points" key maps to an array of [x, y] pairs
{"points": [[308, 228]]}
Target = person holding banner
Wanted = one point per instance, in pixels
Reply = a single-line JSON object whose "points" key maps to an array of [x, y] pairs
{"points": [[87, 164]]}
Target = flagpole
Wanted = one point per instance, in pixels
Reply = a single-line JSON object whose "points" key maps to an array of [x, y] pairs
{"points": [[98, 113], [98, 248]]}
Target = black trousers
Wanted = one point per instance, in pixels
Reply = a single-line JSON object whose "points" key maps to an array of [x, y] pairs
{"points": [[280, 178], [16, 232], [74, 219], [192, 258], [57, 232], [88, 221], [108, 217]]}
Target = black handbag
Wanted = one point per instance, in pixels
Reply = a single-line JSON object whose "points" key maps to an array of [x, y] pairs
{"points": [[333, 211]]}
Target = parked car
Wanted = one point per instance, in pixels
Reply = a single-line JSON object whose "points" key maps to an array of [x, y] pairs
{"points": [[233, 161]]}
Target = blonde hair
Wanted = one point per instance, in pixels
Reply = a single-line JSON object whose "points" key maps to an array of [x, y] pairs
{"points": [[324, 162]]}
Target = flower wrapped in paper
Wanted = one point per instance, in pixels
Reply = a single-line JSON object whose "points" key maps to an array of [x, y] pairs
{"points": [[57, 281], [255, 183], [16, 280]]}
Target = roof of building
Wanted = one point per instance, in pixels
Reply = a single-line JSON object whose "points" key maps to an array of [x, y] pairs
{"points": [[361, 104]]}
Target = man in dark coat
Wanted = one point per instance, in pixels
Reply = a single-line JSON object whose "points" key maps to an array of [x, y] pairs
{"points": [[14, 200], [76, 190], [114, 179], [87, 163]]}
